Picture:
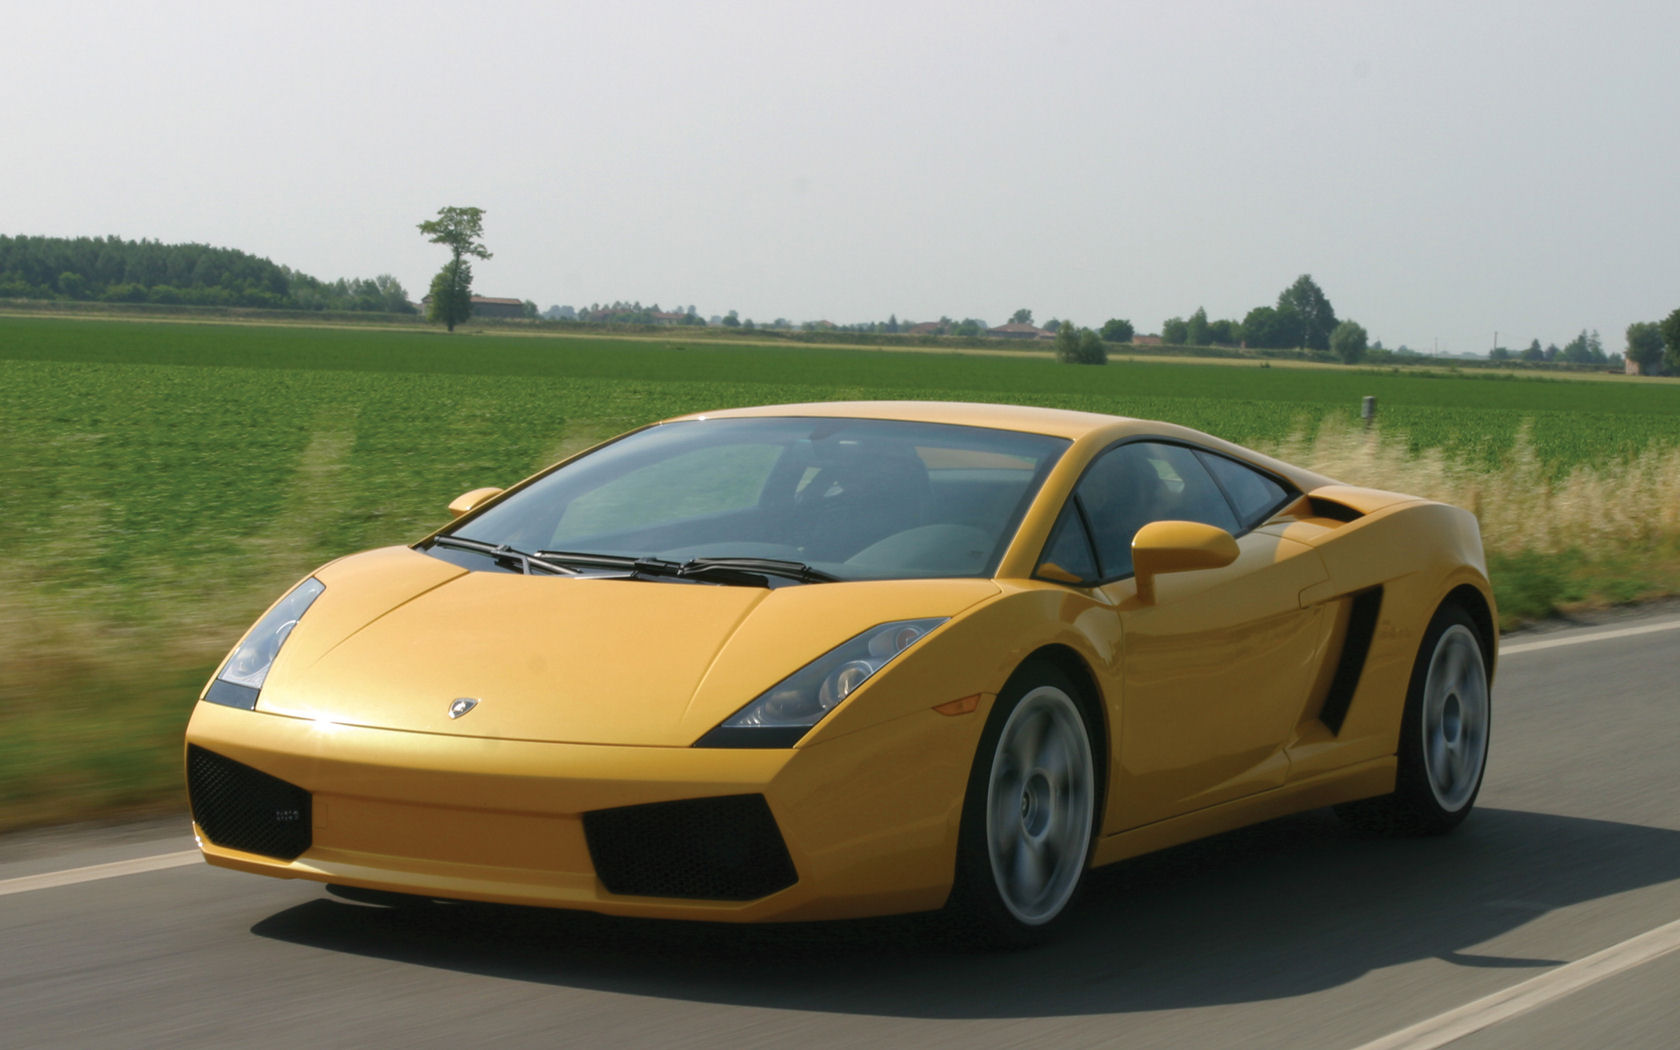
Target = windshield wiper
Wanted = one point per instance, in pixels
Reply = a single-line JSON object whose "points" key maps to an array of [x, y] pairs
{"points": [[750, 572], [647, 566], [505, 554], [792, 570]]}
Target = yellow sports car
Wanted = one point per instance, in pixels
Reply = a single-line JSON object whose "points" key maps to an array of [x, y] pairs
{"points": [[830, 660]]}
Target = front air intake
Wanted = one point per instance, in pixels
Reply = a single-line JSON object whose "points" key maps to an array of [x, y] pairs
{"points": [[241, 808], [726, 848]]}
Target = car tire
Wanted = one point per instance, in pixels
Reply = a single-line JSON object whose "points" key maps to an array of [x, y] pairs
{"points": [[1444, 733], [1030, 814]]}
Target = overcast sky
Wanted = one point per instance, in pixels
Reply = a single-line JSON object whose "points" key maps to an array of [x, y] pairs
{"points": [[1443, 170]]}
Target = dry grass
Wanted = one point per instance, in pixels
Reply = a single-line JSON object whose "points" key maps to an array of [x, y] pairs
{"points": [[1601, 534], [1627, 504]]}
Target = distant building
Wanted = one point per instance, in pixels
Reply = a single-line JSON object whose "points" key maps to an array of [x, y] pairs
{"points": [[485, 306], [1016, 330], [1146, 340], [927, 328], [669, 319]]}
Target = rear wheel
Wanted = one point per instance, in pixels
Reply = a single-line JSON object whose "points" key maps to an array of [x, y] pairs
{"points": [[1029, 814], [1443, 735]]}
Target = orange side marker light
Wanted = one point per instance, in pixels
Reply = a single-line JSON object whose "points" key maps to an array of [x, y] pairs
{"points": [[966, 706]]}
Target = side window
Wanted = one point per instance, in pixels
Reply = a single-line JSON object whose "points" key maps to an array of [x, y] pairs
{"points": [[1132, 485], [1253, 494], [1069, 549]]}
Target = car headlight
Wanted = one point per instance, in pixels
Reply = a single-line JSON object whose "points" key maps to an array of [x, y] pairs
{"points": [[787, 710], [241, 677]]}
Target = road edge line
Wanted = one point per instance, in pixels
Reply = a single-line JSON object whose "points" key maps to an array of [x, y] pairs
{"points": [[1594, 636], [1537, 991], [94, 872]]}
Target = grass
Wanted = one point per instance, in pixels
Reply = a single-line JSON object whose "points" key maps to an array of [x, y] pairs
{"points": [[165, 481]]}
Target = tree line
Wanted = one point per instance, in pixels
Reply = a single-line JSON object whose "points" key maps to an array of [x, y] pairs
{"points": [[1303, 318], [114, 270]]}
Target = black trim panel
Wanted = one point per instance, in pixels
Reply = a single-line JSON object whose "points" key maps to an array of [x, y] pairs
{"points": [[722, 848], [231, 694], [1356, 646]]}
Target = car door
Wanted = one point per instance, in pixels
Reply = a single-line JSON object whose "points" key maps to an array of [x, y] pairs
{"points": [[1213, 674]]}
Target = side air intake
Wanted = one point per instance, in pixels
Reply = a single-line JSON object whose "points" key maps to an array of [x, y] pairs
{"points": [[726, 848], [246, 809], [1356, 646]]}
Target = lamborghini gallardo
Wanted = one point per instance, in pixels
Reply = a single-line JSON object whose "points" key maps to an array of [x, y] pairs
{"points": [[833, 660]]}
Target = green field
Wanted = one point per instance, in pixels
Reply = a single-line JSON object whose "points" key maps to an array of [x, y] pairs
{"points": [[164, 481]]}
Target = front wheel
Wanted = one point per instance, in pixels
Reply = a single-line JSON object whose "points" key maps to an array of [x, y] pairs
{"points": [[1443, 735], [1029, 814]]}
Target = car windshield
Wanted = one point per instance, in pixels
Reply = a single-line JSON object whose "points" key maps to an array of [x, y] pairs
{"points": [[852, 499]]}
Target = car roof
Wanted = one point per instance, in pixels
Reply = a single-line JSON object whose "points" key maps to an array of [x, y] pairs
{"points": [[1056, 422]]}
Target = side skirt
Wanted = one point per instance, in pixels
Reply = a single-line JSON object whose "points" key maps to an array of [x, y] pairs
{"points": [[1365, 780]]}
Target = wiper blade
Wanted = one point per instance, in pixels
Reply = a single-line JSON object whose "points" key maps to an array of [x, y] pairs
{"points": [[647, 566], [748, 571], [792, 570], [506, 554]]}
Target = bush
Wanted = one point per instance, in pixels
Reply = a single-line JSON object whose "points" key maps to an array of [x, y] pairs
{"points": [[1079, 346]]}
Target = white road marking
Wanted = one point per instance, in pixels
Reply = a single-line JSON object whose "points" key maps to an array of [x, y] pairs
{"points": [[71, 876], [1520, 998], [1590, 636], [1536, 991]]}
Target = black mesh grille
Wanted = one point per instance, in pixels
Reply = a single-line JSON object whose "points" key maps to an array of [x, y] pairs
{"points": [[245, 809], [725, 848]]}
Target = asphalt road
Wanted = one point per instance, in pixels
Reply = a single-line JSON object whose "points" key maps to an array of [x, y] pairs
{"points": [[1297, 934]]}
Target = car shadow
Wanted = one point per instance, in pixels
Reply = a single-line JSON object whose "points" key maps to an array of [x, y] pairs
{"points": [[1286, 908]]}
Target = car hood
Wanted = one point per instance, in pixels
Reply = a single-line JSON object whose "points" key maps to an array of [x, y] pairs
{"points": [[398, 636]]}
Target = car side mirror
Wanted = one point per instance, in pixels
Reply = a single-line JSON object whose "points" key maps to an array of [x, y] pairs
{"points": [[1177, 546], [468, 500]]}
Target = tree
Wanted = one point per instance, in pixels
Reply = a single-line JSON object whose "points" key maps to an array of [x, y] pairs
{"points": [[1079, 346], [1308, 302], [1225, 333], [1671, 341], [1174, 331], [1645, 345], [1117, 330], [1091, 348], [1196, 331], [1499, 353], [1267, 329], [450, 300], [732, 320], [1021, 316], [460, 230], [1578, 351], [1348, 341]]}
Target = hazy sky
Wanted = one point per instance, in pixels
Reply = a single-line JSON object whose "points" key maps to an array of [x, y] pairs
{"points": [[1443, 170]]}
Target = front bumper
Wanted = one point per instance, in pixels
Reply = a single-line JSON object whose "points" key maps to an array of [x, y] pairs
{"points": [[868, 820]]}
